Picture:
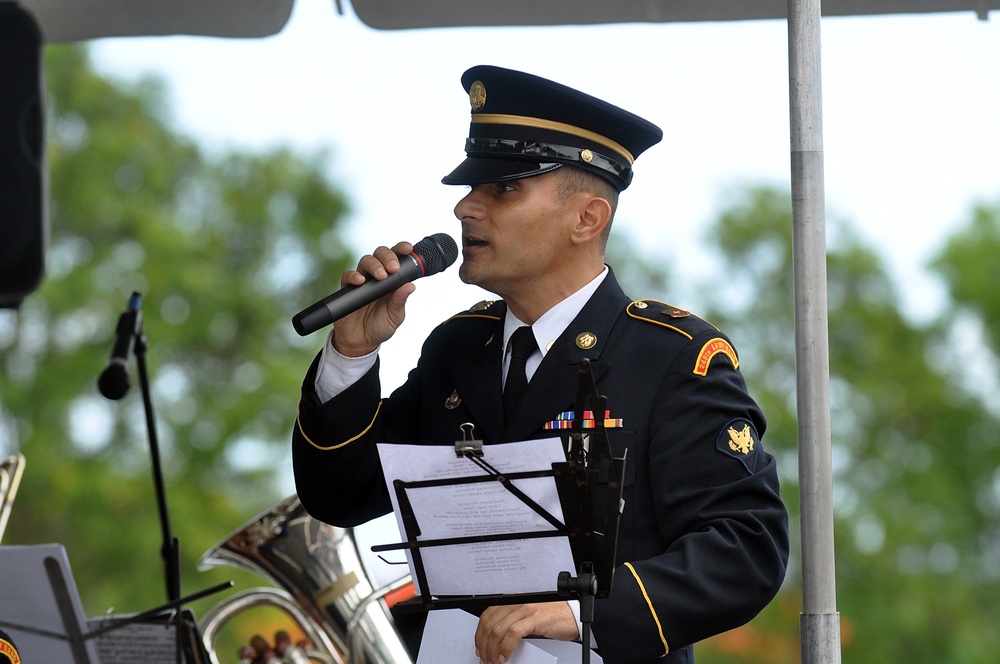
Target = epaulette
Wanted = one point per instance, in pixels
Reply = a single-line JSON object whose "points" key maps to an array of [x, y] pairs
{"points": [[482, 309], [668, 316], [684, 323]]}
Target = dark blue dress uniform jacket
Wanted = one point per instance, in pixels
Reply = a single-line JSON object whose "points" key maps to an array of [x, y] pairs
{"points": [[703, 539]]}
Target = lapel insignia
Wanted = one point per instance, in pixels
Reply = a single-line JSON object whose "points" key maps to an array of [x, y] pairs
{"points": [[710, 350], [586, 340], [452, 402], [565, 420]]}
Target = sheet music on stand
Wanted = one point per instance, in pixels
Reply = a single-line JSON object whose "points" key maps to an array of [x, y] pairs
{"points": [[481, 539], [481, 532], [133, 639]]}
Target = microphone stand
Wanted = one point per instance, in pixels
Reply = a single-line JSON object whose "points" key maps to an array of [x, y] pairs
{"points": [[170, 549]]}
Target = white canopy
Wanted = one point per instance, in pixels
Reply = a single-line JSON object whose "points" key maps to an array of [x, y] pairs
{"points": [[78, 20]]}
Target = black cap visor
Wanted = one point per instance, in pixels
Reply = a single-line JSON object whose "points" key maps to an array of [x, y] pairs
{"points": [[479, 170]]}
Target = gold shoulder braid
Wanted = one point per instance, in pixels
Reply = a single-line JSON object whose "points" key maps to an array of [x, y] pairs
{"points": [[667, 316]]}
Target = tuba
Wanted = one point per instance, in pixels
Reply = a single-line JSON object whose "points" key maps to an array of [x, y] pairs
{"points": [[322, 585]]}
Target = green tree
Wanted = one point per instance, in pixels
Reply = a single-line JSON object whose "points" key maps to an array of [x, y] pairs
{"points": [[223, 249], [915, 454]]}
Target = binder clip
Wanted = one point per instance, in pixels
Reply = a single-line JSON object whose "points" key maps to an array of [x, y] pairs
{"points": [[469, 445]]}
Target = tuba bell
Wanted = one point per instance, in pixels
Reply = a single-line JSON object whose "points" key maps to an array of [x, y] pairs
{"points": [[322, 585]]}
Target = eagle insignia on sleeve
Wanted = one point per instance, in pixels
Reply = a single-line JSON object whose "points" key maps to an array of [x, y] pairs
{"points": [[740, 440]]}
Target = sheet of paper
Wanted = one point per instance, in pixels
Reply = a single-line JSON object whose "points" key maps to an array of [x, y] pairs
{"points": [[482, 508], [566, 652], [36, 591], [450, 636], [136, 643]]}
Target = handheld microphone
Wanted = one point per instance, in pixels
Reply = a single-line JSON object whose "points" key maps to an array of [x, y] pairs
{"points": [[114, 382], [431, 255]]}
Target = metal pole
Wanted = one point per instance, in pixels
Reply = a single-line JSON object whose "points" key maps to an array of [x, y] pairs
{"points": [[819, 622]]}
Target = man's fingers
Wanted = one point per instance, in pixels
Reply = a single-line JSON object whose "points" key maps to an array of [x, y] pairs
{"points": [[499, 632], [501, 628]]}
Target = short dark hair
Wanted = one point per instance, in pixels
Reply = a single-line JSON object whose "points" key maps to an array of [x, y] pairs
{"points": [[573, 180]]}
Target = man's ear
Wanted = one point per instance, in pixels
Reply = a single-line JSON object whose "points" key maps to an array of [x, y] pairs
{"points": [[593, 218]]}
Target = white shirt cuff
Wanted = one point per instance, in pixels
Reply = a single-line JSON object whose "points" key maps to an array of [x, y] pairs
{"points": [[337, 372]]}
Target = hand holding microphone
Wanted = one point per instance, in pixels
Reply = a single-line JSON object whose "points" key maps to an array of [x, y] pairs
{"points": [[431, 255]]}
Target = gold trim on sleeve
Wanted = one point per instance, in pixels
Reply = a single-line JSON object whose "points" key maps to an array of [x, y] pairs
{"points": [[298, 423], [652, 611]]}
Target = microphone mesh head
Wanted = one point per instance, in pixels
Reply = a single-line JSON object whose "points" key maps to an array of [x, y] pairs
{"points": [[437, 252]]}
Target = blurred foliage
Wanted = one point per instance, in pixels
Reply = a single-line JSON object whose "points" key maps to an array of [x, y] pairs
{"points": [[225, 248], [916, 449]]}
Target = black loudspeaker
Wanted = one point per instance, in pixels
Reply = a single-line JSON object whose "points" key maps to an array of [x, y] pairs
{"points": [[24, 224]]}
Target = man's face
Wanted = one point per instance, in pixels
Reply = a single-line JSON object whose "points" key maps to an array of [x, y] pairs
{"points": [[514, 234]]}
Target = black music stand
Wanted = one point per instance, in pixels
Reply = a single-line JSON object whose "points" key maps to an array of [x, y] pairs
{"points": [[576, 481]]}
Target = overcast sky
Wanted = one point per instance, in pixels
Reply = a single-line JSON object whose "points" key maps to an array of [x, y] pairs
{"points": [[911, 114]]}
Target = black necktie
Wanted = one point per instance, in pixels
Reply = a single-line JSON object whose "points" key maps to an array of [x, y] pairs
{"points": [[522, 345]]}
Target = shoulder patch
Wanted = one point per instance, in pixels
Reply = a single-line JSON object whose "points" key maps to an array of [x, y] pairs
{"points": [[710, 350], [740, 440], [668, 316]]}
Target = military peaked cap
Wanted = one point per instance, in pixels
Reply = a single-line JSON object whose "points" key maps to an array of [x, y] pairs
{"points": [[524, 125]]}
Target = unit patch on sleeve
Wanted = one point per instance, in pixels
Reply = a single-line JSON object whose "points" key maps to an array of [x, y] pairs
{"points": [[739, 440], [710, 350]]}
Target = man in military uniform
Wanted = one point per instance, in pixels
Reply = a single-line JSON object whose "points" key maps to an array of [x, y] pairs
{"points": [[703, 538]]}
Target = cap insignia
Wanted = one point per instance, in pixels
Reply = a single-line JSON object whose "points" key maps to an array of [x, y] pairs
{"points": [[586, 340], [586, 155], [477, 95]]}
